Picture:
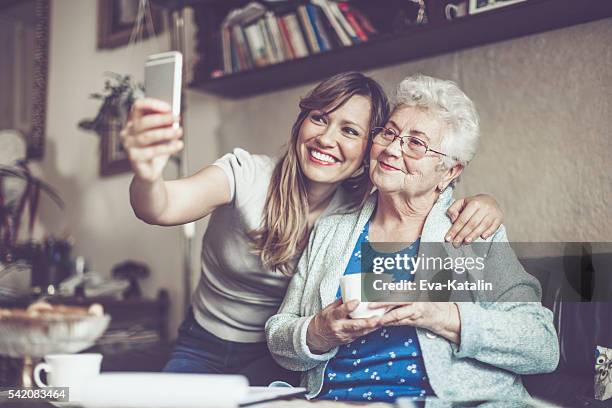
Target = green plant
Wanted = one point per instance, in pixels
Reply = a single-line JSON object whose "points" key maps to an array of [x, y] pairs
{"points": [[13, 210], [119, 94]]}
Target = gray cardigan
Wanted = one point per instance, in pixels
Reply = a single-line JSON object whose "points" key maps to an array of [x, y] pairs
{"points": [[500, 338]]}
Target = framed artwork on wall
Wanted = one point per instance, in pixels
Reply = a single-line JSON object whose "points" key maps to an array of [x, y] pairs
{"points": [[113, 158], [24, 71], [117, 18], [479, 6]]}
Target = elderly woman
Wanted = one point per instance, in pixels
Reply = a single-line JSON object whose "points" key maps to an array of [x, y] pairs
{"points": [[457, 350]]}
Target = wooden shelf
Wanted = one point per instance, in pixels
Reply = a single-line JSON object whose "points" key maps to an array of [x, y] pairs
{"points": [[437, 37]]}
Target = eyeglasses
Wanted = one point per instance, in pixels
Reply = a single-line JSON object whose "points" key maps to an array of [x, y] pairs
{"points": [[411, 145]]}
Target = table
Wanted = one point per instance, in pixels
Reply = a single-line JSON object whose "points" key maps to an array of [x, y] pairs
{"points": [[403, 403]]}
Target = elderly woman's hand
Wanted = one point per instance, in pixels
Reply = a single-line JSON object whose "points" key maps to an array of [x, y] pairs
{"points": [[441, 318], [473, 217], [332, 327]]}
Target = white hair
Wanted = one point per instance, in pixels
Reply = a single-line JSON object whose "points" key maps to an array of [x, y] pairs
{"points": [[452, 106]]}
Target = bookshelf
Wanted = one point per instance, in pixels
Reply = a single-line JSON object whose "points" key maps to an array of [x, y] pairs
{"points": [[438, 36]]}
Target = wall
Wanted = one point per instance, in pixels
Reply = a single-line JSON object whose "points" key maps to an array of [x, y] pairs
{"points": [[545, 103]]}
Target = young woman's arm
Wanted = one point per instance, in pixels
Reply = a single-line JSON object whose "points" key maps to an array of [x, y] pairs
{"points": [[473, 217], [179, 201], [150, 139]]}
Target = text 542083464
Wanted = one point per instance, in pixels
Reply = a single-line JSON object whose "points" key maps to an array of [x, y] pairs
{"points": [[60, 394]]}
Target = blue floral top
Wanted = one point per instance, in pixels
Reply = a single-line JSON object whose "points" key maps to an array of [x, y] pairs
{"points": [[384, 364]]}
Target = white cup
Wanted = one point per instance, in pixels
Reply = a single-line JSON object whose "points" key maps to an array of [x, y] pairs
{"points": [[453, 11], [350, 286], [68, 370]]}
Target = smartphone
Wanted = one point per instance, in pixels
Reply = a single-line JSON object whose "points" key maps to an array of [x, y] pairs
{"points": [[163, 77]]}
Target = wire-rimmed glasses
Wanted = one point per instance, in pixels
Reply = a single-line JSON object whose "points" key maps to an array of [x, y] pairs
{"points": [[410, 145]]}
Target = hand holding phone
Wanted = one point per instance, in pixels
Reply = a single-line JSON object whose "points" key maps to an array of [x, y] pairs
{"points": [[153, 132], [163, 78]]}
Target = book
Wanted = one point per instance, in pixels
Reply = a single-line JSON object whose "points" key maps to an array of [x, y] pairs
{"points": [[286, 38], [267, 41], [352, 20], [328, 34], [256, 43], [245, 61], [230, 57], [315, 15], [247, 14], [240, 52], [275, 36], [226, 48], [364, 22], [324, 4], [234, 56], [344, 22], [308, 27], [297, 39]]}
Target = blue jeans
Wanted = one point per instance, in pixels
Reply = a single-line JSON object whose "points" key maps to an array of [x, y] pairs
{"points": [[199, 351]]}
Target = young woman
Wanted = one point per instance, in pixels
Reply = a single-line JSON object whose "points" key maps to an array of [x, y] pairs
{"points": [[262, 210]]}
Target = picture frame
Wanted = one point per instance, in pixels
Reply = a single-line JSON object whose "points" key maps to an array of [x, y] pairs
{"points": [[24, 89], [479, 6], [113, 158], [116, 19]]}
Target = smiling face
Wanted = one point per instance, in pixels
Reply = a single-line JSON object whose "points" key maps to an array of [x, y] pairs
{"points": [[392, 171], [331, 146]]}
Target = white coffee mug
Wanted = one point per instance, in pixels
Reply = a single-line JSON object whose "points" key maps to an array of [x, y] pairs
{"points": [[68, 370], [453, 11], [350, 286]]}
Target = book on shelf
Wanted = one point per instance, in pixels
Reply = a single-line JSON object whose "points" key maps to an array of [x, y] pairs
{"points": [[316, 18], [327, 10], [308, 27], [244, 59], [226, 48], [256, 43], [255, 35], [295, 35], [286, 38], [241, 43], [272, 57], [275, 36], [362, 19], [344, 23], [346, 10]]}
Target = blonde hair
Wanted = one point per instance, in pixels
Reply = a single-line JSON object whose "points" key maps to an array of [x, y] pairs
{"points": [[284, 231]]}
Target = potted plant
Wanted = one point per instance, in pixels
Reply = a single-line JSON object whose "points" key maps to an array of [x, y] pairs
{"points": [[17, 204], [117, 98]]}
